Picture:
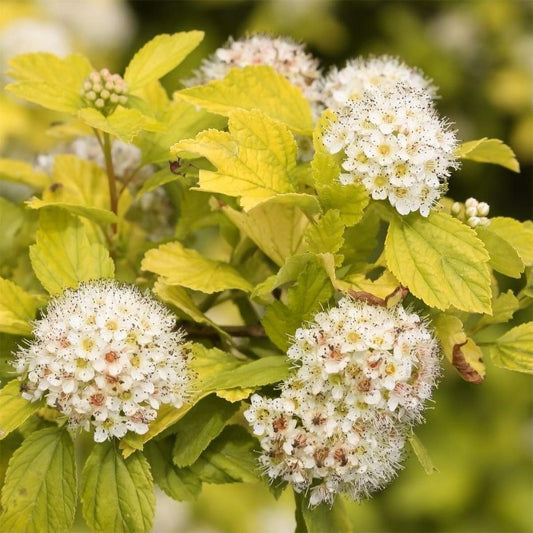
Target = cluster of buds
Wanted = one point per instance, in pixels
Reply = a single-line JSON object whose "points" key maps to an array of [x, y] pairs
{"points": [[104, 90], [472, 212], [105, 355], [362, 376]]}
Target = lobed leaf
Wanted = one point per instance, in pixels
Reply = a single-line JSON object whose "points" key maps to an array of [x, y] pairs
{"points": [[440, 260], [22, 172], [178, 483], [188, 268], [254, 87], [254, 160], [203, 423], [40, 491], [117, 494], [63, 255], [489, 151], [17, 309], [15, 409], [514, 349], [159, 56]]}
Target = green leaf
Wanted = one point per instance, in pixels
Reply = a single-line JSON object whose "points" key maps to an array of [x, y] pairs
{"points": [[183, 121], [124, 123], [17, 309], [230, 458], [21, 172], [159, 178], [312, 288], [503, 257], [503, 309], [327, 234], [188, 268], [179, 298], [489, 151], [440, 260], [203, 423], [178, 483], [254, 160], [50, 81], [159, 56], [350, 200], [79, 187], [15, 409], [518, 234], [276, 228], [40, 491], [514, 349], [63, 255], [117, 494], [258, 373], [254, 87], [422, 455], [322, 518]]}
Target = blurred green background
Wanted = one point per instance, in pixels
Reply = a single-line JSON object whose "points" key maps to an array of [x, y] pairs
{"points": [[480, 54]]}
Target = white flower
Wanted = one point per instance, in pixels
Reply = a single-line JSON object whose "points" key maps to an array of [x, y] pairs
{"points": [[393, 142], [105, 355], [284, 55], [341, 85], [363, 374]]}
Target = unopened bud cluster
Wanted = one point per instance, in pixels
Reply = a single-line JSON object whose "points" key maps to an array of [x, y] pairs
{"points": [[105, 355], [363, 374], [389, 135], [472, 212], [104, 90]]}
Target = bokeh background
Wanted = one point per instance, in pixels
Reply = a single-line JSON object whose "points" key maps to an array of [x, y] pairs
{"points": [[480, 54]]}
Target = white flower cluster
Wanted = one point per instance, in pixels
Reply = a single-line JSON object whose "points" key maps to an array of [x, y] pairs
{"points": [[391, 138], [362, 377], [105, 355], [104, 90], [284, 55], [359, 75], [474, 213]]}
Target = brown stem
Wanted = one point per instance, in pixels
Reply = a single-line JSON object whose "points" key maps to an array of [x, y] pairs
{"points": [[196, 330]]}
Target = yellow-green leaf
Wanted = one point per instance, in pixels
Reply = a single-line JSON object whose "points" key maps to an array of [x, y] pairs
{"points": [[123, 123], [489, 151], [503, 257], [440, 260], [422, 455], [117, 494], [183, 121], [188, 268], [326, 236], [255, 87], [503, 309], [17, 309], [50, 81], [21, 172], [40, 491], [514, 349], [159, 56], [79, 187], [276, 228], [518, 234], [63, 255], [15, 409], [254, 160]]}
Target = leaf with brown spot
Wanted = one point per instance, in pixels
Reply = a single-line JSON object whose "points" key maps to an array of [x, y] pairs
{"points": [[467, 359]]}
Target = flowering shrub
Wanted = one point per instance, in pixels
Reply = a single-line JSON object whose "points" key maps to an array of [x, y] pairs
{"points": [[314, 206]]}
